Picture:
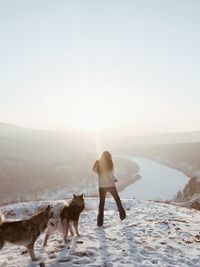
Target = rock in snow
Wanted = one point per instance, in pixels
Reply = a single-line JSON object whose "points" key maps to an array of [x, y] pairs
{"points": [[153, 234]]}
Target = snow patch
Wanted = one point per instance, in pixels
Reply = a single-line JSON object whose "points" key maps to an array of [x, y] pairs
{"points": [[153, 234]]}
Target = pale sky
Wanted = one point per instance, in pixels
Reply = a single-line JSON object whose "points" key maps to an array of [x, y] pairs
{"points": [[124, 66]]}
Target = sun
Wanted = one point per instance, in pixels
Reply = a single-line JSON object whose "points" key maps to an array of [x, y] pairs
{"points": [[92, 118], [93, 122], [81, 112]]}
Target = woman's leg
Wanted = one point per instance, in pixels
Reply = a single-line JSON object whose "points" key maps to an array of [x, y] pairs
{"points": [[102, 196], [116, 197]]}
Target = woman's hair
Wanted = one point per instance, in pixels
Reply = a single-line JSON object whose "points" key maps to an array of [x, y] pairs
{"points": [[105, 163]]}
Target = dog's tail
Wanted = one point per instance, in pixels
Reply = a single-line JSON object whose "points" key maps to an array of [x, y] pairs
{"points": [[1, 218]]}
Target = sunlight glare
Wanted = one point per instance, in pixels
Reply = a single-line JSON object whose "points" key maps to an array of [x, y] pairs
{"points": [[91, 117]]}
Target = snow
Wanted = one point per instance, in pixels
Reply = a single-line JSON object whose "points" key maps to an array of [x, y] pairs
{"points": [[153, 234]]}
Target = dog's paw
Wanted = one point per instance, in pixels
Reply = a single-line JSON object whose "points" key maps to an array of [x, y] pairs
{"points": [[66, 240], [79, 242], [35, 259]]}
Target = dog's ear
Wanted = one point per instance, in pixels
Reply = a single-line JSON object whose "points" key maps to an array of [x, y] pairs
{"points": [[48, 207], [82, 195], [74, 196]]}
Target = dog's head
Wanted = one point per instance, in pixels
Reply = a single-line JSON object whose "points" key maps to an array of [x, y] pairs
{"points": [[79, 200]]}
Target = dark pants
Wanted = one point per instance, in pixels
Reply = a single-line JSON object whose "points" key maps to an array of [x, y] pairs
{"points": [[102, 195]]}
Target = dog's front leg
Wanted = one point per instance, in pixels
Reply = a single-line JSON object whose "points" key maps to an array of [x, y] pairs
{"points": [[30, 248], [45, 239], [50, 231], [71, 230], [1, 244], [66, 233], [76, 227]]}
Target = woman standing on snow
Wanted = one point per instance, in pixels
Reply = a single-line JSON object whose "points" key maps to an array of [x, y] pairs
{"points": [[104, 168]]}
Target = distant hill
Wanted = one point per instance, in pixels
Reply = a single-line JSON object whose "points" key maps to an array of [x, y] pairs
{"points": [[128, 144], [39, 145], [124, 144], [34, 162], [182, 152]]}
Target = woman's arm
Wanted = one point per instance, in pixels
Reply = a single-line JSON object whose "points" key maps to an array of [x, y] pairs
{"points": [[114, 177]]}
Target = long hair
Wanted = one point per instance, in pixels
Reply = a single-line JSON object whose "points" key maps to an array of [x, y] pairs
{"points": [[105, 163], [1, 218]]}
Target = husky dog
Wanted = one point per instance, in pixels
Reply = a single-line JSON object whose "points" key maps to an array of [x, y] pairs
{"points": [[67, 219], [25, 232]]}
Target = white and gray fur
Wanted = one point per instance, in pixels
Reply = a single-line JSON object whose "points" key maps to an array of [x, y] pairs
{"points": [[65, 218]]}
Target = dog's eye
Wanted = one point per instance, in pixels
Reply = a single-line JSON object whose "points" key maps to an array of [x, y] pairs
{"points": [[52, 224]]}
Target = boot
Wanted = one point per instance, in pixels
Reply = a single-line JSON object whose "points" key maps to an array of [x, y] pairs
{"points": [[100, 219], [122, 214]]}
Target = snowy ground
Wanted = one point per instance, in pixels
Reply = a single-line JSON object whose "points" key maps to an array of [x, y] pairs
{"points": [[153, 234]]}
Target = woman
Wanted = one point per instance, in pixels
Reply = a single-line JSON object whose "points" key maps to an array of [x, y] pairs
{"points": [[104, 169]]}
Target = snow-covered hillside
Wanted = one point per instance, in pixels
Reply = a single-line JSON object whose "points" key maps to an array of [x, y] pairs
{"points": [[153, 234]]}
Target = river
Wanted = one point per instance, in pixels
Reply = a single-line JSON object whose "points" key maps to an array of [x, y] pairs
{"points": [[157, 182]]}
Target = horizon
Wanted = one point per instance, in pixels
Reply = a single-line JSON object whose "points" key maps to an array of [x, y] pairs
{"points": [[124, 68], [103, 133]]}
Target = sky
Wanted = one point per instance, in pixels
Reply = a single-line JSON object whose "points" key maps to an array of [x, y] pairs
{"points": [[125, 67]]}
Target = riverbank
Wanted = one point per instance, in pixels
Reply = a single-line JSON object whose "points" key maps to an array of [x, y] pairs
{"points": [[158, 182], [185, 168]]}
